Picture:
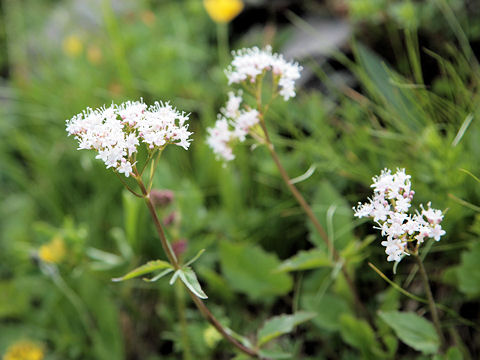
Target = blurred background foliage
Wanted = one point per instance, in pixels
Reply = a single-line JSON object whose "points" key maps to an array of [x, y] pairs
{"points": [[386, 83]]}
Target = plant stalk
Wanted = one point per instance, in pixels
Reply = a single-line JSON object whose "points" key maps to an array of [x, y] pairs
{"points": [[173, 260], [309, 212], [431, 301]]}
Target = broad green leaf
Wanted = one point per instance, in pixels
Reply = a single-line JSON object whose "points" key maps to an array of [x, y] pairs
{"points": [[305, 260], [468, 272], [328, 307], [453, 353], [251, 270], [145, 269], [280, 325], [187, 275], [413, 330], [359, 334]]}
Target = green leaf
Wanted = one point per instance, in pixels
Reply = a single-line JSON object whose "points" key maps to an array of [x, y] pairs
{"points": [[328, 307], [335, 215], [145, 269], [359, 334], [269, 354], [187, 275], [305, 260], [251, 270], [159, 276], [280, 325], [453, 353], [413, 330], [195, 258], [468, 273]]}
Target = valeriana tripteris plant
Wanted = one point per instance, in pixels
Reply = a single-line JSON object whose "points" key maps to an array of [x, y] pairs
{"points": [[404, 232], [241, 117], [116, 133]]}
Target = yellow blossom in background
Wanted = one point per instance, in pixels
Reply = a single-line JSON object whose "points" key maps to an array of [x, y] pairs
{"points": [[94, 54], [223, 11], [211, 336], [24, 350], [72, 46], [53, 252]]}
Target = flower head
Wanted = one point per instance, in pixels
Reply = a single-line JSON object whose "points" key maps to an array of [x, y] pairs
{"points": [[223, 11], [24, 350], [233, 124], [53, 252], [117, 131], [249, 64], [388, 208]]}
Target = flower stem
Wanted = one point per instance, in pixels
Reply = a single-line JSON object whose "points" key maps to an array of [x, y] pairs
{"points": [[173, 260], [309, 212], [431, 301]]}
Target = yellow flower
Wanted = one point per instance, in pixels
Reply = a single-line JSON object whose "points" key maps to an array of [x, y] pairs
{"points": [[72, 46], [54, 251], [223, 11], [24, 350], [211, 336]]}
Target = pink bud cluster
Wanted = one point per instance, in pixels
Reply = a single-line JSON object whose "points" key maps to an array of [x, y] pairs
{"points": [[388, 208]]}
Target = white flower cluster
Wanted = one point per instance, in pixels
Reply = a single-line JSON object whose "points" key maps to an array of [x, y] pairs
{"points": [[388, 208], [116, 132], [233, 124], [248, 64]]}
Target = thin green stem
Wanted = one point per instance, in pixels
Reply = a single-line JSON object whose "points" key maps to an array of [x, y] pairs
{"points": [[180, 302], [173, 260], [431, 301], [306, 207], [127, 186], [222, 43]]}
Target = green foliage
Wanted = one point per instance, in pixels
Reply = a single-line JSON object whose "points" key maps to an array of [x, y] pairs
{"points": [[413, 330], [305, 260], [147, 268], [280, 325], [359, 334], [251, 270], [468, 272]]}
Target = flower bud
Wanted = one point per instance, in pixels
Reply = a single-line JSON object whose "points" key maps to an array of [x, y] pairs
{"points": [[179, 247], [161, 198], [170, 219]]}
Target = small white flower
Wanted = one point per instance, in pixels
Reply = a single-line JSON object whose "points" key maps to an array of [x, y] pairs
{"points": [[391, 201], [117, 131], [248, 64]]}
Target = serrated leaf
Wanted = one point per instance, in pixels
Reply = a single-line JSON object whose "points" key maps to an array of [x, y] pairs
{"points": [[305, 260], [145, 269], [251, 270], [187, 275], [413, 330], [280, 325]]}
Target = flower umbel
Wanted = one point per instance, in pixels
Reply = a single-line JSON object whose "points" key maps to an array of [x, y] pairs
{"points": [[388, 208], [117, 131], [249, 64]]}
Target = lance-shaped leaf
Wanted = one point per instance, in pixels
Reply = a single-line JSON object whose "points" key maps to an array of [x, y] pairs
{"points": [[190, 280], [280, 325], [145, 269], [305, 260]]}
